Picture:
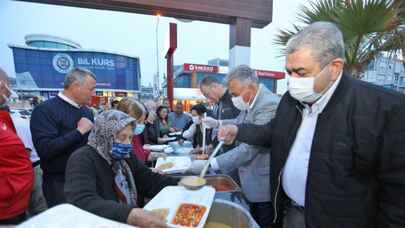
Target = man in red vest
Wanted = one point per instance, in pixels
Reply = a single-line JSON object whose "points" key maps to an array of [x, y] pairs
{"points": [[16, 173]]}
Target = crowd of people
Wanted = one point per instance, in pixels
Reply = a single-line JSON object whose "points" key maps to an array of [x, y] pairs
{"points": [[328, 153]]}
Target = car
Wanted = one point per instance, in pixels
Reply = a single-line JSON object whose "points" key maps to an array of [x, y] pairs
{"points": [[24, 113]]}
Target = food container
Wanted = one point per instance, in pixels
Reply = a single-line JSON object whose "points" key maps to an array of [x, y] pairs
{"points": [[235, 194], [172, 197], [67, 216], [222, 183], [179, 164], [230, 214]]}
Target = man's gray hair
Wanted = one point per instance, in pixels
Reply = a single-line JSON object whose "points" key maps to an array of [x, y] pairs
{"points": [[77, 74], [324, 39], [210, 80], [242, 73]]}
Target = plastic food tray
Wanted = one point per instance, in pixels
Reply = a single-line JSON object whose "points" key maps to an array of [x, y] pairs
{"points": [[172, 197]]}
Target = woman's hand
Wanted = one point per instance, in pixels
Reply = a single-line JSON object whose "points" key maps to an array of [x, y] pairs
{"points": [[145, 219], [155, 170]]}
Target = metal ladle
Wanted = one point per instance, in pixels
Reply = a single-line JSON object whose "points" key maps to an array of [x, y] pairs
{"points": [[196, 182]]}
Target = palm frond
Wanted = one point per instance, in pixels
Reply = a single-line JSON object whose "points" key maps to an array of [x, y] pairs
{"points": [[368, 26]]}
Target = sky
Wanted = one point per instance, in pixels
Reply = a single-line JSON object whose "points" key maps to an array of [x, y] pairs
{"points": [[135, 35]]}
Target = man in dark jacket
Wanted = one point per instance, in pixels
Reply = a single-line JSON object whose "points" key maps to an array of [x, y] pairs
{"points": [[59, 126], [224, 109], [337, 143]]}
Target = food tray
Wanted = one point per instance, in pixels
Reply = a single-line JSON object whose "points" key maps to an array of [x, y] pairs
{"points": [[181, 164], [172, 197], [67, 216]]}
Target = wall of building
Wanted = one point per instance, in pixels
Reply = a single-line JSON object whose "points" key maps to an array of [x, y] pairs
{"points": [[45, 69], [386, 72], [184, 80]]}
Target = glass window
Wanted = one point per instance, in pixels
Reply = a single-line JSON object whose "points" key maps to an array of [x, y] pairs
{"points": [[269, 83]]}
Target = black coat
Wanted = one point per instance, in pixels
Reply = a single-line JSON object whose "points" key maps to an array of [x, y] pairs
{"points": [[198, 136], [225, 110], [151, 133], [89, 184], [356, 174], [54, 133]]}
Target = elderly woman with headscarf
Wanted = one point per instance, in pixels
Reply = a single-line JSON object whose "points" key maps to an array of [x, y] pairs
{"points": [[104, 178]]}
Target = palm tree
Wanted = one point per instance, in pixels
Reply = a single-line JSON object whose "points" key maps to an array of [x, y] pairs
{"points": [[369, 27]]}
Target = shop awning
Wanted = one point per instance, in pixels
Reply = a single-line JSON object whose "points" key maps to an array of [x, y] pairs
{"points": [[188, 94]]}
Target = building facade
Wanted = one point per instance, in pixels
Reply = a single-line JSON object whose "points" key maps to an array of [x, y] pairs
{"points": [[189, 75], [386, 72], [42, 64]]}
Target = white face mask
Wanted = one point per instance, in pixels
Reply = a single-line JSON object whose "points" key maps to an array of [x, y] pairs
{"points": [[302, 88], [240, 103], [196, 119]]}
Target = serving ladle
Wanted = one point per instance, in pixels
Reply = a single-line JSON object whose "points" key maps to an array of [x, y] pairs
{"points": [[196, 182]]}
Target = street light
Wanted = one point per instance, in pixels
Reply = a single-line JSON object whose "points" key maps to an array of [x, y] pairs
{"points": [[157, 55]]}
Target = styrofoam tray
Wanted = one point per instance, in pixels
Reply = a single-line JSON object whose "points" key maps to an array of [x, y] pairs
{"points": [[67, 216], [184, 150], [155, 147], [172, 196], [181, 164], [186, 143]]}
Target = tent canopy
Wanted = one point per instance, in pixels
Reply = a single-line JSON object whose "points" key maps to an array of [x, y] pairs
{"points": [[188, 94]]}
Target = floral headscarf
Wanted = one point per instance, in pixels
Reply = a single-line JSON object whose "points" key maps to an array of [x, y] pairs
{"points": [[106, 127]]}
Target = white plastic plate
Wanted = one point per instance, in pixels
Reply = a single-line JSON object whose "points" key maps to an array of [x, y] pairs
{"points": [[155, 147], [172, 197], [67, 216], [181, 164], [184, 150]]}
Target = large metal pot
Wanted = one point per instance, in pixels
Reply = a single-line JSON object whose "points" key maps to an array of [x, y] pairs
{"points": [[231, 214]]}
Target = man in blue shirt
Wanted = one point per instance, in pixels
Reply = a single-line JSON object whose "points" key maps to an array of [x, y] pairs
{"points": [[61, 125], [177, 119]]}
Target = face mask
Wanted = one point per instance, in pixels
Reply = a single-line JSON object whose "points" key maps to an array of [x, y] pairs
{"points": [[302, 89], [121, 150], [139, 129], [239, 103], [196, 119]]}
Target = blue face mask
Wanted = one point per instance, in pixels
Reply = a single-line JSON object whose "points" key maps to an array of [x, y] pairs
{"points": [[121, 151], [139, 129]]}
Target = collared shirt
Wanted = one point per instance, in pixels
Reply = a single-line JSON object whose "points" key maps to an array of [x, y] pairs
{"points": [[178, 121], [68, 100], [294, 176]]}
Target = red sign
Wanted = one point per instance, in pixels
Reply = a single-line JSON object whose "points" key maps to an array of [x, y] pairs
{"points": [[98, 100], [188, 68], [270, 74]]}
